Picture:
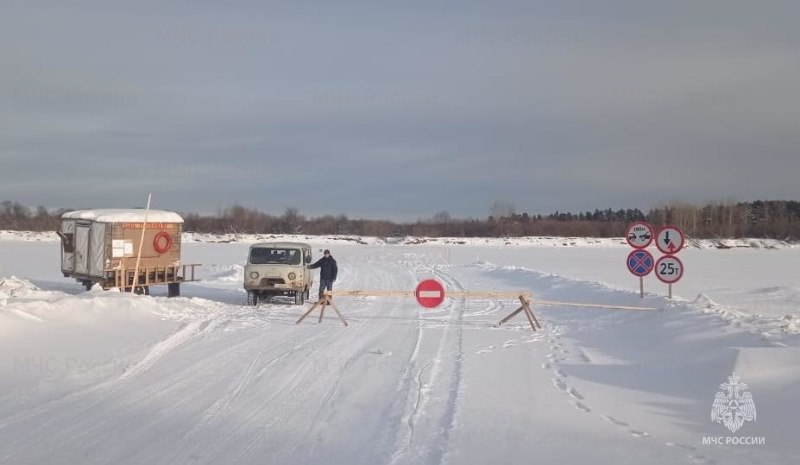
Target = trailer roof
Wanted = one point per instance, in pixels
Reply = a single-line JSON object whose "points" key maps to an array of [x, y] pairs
{"points": [[117, 215]]}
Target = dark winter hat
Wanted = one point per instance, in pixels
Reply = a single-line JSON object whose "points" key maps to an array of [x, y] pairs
{"points": [[327, 252]]}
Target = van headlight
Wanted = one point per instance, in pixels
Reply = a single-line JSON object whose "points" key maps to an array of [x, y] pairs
{"points": [[254, 275], [292, 276]]}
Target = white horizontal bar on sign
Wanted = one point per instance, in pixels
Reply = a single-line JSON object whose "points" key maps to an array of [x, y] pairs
{"points": [[429, 294]]}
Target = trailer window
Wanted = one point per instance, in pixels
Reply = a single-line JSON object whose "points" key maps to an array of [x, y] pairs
{"points": [[67, 241], [274, 256]]}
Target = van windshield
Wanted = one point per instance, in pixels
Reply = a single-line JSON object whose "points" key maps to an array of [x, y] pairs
{"points": [[274, 256]]}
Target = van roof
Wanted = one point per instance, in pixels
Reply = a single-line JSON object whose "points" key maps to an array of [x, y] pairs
{"points": [[119, 215], [287, 245]]}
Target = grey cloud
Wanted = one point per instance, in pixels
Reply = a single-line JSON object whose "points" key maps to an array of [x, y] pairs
{"points": [[398, 110]]}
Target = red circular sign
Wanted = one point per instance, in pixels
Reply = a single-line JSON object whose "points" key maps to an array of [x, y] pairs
{"points": [[670, 239], [430, 293], [639, 235], [669, 269]]}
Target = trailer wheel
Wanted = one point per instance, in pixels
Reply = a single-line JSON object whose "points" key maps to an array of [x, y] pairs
{"points": [[173, 289], [141, 290]]}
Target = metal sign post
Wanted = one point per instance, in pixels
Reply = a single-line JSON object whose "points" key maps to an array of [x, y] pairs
{"points": [[640, 263], [669, 270]]}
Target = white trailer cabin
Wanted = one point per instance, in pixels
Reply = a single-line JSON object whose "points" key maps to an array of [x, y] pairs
{"points": [[102, 246]]}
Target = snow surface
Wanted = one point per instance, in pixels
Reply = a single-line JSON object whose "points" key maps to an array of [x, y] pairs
{"points": [[100, 377], [112, 215]]}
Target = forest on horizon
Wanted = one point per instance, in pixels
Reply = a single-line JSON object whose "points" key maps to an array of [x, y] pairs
{"points": [[776, 219]]}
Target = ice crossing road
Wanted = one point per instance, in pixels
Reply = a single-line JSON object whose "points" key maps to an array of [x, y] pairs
{"points": [[101, 378]]}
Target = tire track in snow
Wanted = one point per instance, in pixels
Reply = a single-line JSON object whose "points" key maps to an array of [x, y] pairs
{"points": [[171, 343], [410, 376], [157, 351], [415, 390], [179, 382], [251, 421], [448, 422], [435, 446], [375, 335], [254, 370], [65, 424], [350, 344]]}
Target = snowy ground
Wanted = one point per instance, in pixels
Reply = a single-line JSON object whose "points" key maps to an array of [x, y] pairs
{"points": [[104, 378]]}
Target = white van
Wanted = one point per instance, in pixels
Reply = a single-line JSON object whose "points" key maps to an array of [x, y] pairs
{"points": [[278, 269]]}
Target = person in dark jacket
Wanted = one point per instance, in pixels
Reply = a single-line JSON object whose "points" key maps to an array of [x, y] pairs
{"points": [[327, 272]]}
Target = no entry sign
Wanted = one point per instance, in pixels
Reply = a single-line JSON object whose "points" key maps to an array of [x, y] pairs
{"points": [[640, 262], [430, 293], [670, 239], [639, 235], [669, 269]]}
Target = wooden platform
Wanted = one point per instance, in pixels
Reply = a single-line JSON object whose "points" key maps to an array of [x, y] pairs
{"points": [[151, 276]]}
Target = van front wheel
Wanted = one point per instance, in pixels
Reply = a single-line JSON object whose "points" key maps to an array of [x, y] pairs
{"points": [[252, 298], [299, 298]]}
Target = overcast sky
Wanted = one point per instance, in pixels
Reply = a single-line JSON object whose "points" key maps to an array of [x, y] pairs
{"points": [[398, 110]]}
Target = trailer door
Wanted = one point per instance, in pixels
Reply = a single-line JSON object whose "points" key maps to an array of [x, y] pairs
{"points": [[67, 246], [82, 249], [97, 250]]}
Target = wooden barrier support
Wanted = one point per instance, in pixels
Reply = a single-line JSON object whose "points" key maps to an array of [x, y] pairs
{"points": [[322, 303], [525, 307]]}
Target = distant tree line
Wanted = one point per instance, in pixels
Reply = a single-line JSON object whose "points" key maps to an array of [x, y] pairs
{"points": [[760, 219], [15, 216]]}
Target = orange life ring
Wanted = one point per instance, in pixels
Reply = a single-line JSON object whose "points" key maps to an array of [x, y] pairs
{"points": [[161, 246]]}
